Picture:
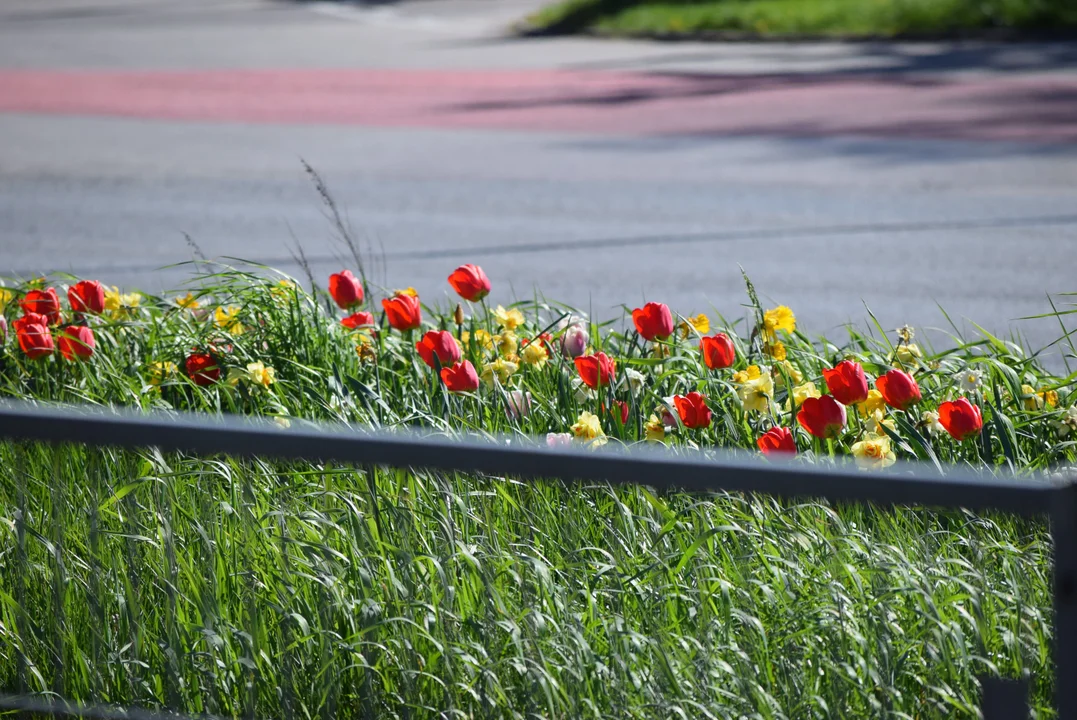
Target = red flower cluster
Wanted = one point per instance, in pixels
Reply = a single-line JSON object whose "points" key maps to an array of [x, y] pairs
{"points": [[43, 302], [823, 417], [440, 344], [202, 368], [358, 320], [345, 289], [461, 377], [87, 296], [596, 370], [718, 351], [960, 418], [32, 331], [654, 321], [77, 342], [777, 441], [898, 389], [403, 312], [693, 410], [847, 383], [470, 282]]}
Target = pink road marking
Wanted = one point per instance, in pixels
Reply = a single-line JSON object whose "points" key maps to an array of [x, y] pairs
{"points": [[1024, 108]]}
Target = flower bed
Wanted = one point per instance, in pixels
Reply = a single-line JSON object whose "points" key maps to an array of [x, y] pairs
{"points": [[277, 589], [244, 344]]}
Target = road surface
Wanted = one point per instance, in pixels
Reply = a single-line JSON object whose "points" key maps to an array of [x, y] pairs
{"points": [[897, 177]]}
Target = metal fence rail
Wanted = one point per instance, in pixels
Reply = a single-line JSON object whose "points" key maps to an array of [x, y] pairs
{"points": [[642, 466]]}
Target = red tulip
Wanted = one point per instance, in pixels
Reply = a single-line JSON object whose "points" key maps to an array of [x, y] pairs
{"points": [[76, 342], [847, 383], [653, 321], [823, 417], [461, 377], [403, 311], [87, 296], [718, 351], [960, 418], [777, 441], [693, 410], [622, 408], [43, 302], [345, 289], [202, 368], [596, 370], [470, 282], [34, 337], [440, 343], [898, 389], [357, 320]]}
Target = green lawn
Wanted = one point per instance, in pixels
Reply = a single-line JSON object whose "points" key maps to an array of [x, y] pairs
{"points": [[776, 18]]}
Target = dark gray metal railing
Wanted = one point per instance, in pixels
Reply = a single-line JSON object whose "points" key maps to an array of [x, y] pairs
{"points": [[641, 466]]}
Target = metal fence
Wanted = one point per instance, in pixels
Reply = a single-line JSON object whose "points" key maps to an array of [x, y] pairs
{"points": [[664, 471]]}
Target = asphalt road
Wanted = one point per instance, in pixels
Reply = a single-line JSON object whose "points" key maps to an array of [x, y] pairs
{"points": [[912, 175]]}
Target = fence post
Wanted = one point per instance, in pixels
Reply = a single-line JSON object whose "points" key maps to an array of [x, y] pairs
{"points": [[1004, 699], [1064, 535]]}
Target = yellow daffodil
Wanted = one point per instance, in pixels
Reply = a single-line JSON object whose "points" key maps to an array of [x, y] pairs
{"points": [[120, 305], [790, 370], [873, 452], [905, 333], [775, 349], [588, 429], [535, 355], [507, 343], [6, 296], [482, 338], [1050, 397], [410, 291], [780, 318], [700, 324], [803, 392], [508, 319], [188, 302], [227, 319], [160, 371], [906, 355], [743, 376], [874, 402], [501, 369], [754, 388], [877, 419], [1030, 399], [259, 374], [655, 429]]}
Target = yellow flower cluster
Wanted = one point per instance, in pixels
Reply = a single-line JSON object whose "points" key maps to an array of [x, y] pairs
{"points": [[755, 388], [227, 319], [121, 305], [780, 318], [874, 452], [588, 429]]}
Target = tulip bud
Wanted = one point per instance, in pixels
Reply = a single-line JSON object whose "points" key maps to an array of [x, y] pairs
{"points": [[574, 341], [458, 315]]}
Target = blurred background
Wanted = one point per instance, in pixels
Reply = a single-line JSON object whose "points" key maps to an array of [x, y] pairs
{"points": [[898, 154]]}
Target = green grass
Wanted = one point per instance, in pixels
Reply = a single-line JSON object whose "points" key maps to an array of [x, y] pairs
{"points": [[269, 589], [776, 18]]}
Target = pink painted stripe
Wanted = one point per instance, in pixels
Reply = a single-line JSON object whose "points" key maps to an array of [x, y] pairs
{"points": [[1026, 108]]}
